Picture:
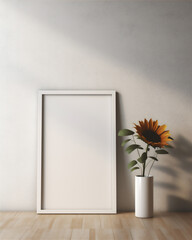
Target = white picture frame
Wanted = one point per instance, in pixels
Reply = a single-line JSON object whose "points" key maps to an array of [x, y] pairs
{"points": [[76, 169]]}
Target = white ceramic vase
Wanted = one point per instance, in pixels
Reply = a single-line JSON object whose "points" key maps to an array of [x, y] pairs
{"points": [[143, 196]]}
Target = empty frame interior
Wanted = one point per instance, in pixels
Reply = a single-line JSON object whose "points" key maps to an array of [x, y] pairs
{"points": [[77, 157]]}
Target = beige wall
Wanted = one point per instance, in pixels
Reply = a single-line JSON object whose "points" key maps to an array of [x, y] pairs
{"points": [[141, 49]]}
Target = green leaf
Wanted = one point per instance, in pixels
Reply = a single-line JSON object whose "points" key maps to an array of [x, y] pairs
{"points": [[154, 158], [132, 164], [132, 147], [138, 137], [124, 142], [168, 146], [125, 132], [135, 168], [143, 158], [161, 151]]}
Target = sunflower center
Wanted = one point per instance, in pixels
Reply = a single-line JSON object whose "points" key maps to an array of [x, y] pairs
{"points": [[151, 136]]}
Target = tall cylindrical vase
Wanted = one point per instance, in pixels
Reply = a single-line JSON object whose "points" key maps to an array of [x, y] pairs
{"points": [[143, 196]]}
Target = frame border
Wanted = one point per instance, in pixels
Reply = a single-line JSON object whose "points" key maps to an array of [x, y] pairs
{"points": [[41, 93]]}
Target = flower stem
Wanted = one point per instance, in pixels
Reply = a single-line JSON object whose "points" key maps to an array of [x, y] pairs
{"points": [[137, 148], [152, 165], [145, 161], [138, 154]]}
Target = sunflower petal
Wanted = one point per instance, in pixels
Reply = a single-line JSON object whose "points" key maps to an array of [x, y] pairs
{"points": [[150, 124], [142, 124], [168, 139], [165, 133], [171, 138], [138, 128], [146, 123], [161, 129], [155, 125]]}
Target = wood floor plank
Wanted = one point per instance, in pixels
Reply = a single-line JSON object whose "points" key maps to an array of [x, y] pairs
{"points": [[104, 234], [91, 222], [77, 222], [80, 234], [130, 221], [121, 234], [185, 222], [116, 222], [106, 221], [159, 234], [92, 234], [143, 234], [62, 222], [154, 223], [123, 226]]}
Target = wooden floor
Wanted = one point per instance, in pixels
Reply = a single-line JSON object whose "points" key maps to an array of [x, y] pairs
{"points": [[29, 225]]}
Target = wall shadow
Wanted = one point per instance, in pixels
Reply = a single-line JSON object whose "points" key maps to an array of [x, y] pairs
{"points": [[182, 155], [166, 185], [124, 191], [178, 204], [143, 36]]}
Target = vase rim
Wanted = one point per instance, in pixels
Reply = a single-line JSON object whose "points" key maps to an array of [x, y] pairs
{"points": [[150, 176]]}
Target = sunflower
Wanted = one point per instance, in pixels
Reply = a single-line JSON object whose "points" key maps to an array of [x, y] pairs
{"points": [[153, 134]]}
